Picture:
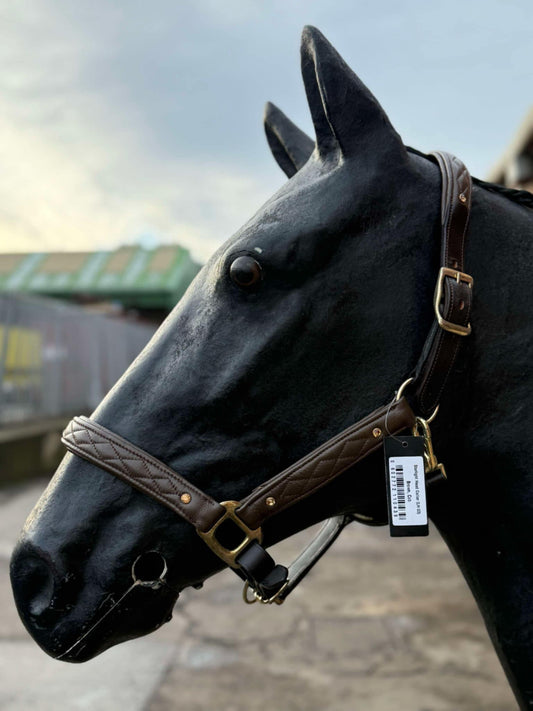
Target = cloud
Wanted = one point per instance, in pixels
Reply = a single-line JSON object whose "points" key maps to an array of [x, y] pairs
{"points": [[56, 195], [120, 119], [79, 165]]}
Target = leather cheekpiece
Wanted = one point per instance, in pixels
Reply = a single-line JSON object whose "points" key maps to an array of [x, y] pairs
{"points": [[442, 346]]}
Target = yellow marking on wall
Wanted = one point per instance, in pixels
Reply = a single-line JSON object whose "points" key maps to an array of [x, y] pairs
{"points": [[23, 356]]}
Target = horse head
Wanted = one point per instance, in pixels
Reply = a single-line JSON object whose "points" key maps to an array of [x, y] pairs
{"points": [[312, 314]]}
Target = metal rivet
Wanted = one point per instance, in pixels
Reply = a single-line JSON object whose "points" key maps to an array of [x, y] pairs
{"points": [[462, 197], [270, 501], [185, 498], [376, 432]]}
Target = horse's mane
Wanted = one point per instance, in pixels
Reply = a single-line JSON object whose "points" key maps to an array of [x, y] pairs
{"points": [[521, 197]]}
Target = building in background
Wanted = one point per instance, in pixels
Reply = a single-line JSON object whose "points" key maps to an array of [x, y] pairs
{"points": [[56, 360], [60, 356], [147, 282], [515, 167]]}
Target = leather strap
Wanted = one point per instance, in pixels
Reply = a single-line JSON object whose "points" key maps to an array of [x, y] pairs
{"points": [[133, 465], [109, 451], [325, 463], [278, 582], [454, 306], [321, 543], [259, 570]]}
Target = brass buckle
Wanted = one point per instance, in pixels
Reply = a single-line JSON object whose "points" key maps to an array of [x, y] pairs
{"points": [[459, 277], [257, 597], [228, 555]]}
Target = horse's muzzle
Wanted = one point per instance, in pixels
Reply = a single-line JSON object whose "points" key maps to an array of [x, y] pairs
{"points": [[74, 622]]}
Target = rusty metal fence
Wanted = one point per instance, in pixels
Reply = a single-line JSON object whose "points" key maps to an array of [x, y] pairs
{"points": [[57, 358]]}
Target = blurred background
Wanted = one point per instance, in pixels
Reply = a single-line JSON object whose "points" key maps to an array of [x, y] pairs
{"points": [[131, 146]]}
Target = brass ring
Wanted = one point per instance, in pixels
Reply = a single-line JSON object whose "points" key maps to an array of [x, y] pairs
{"points": [[248, 600], [402, 388], [433, 415], [156, 582], [401, 391]]}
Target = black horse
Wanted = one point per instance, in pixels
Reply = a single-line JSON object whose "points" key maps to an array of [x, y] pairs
{"points": [[264, 359]]}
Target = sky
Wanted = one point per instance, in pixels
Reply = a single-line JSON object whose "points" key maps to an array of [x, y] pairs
{"points": [[123, 120]]}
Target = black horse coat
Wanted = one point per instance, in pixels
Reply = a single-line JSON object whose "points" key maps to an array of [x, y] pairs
{"points": [[239, 383]]}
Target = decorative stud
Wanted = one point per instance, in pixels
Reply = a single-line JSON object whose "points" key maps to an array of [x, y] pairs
{"points": [[270, 501], [462, 197], [376, 432], [185, 498]]}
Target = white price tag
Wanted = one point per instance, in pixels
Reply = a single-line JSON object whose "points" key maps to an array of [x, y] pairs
{"points": [[407, 491]]}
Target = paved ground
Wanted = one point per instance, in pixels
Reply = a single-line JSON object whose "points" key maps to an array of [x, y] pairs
{"points": [[397, 631]]}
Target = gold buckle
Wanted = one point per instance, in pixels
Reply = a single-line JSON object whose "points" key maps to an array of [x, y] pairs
{"points": [[459, 277], [228, 555]]}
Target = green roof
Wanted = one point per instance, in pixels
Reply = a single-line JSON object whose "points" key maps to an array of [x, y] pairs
{"points": [[133, 275]]}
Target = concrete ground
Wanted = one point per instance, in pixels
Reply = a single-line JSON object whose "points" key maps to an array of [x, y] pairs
{"points": [[381, 625]]}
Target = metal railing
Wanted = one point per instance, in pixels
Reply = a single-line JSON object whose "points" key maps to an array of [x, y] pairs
{"points": [[57, 358]]}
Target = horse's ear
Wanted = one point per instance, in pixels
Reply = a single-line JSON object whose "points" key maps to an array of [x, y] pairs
{"points": [[290, 146], [345, 114]]}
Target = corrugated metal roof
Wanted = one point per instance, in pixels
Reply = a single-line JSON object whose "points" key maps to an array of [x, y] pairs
{"points": [[133, 275]]}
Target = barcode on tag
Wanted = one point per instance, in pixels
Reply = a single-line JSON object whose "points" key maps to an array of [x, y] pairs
{"points": [[406, 487], [399, 490], [408, 491]]}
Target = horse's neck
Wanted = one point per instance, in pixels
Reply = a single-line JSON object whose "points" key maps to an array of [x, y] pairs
{"points": [[498, 388], [486, 511], [502, 258]]}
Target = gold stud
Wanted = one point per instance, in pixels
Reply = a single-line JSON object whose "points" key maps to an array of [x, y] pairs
{"points": [[462, 197], [270, 501], [376, 432], [185, 498]]}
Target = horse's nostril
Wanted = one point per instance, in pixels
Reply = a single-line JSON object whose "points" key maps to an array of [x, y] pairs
{"points": [[149, 569], [36, 584]]}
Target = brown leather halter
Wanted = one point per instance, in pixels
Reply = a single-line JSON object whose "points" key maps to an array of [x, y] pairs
{"points": [[270, 582]]}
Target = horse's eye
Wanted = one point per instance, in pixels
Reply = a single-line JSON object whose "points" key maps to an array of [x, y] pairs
{"points": [[245, 271]]}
